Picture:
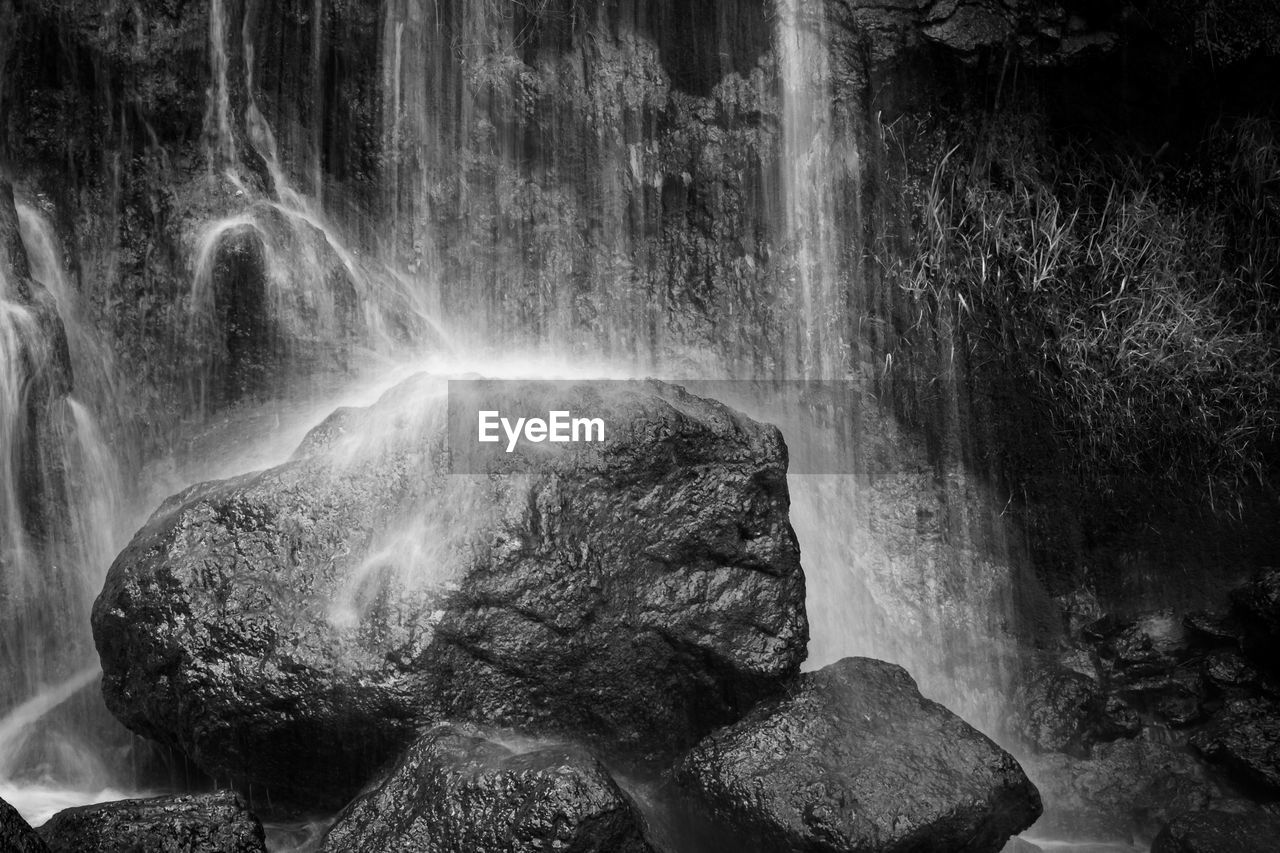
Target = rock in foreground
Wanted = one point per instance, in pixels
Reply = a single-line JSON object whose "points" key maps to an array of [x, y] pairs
{"points": [[855, 760], [296, 627], [206, 823], [457, 791], [1219, 832], [16, 835]]}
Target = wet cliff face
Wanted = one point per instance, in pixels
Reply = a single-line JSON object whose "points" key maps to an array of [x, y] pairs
{"points": [[612, 178]]}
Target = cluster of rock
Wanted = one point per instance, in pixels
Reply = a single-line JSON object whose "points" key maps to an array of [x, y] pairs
{"points": [[200, 823], [520, 670], [1139, 723]]}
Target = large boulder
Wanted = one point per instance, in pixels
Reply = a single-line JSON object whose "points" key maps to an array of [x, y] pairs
{"points": [[1219, 832], [457, 790], [854, 759], [16, 835], [202, 823], [295, 627]]}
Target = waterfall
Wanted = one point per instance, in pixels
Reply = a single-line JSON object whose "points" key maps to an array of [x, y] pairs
{"points": [[62, 520], [900, 566], [220, 142], [808, 187], [276, 259], [552, 234]]}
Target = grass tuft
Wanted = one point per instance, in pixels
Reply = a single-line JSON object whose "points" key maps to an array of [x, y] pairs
{"points": [[1140, 304]]}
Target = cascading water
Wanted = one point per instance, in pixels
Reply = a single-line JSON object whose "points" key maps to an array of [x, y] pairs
{"points": [[808, 188], [923, 589], [62, 516], [895, 570]]}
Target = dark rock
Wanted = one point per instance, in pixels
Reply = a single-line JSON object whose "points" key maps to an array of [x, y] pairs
{"points": [[14, 267], [296, 627], [202, 823], [968, 27], [1228, 670], [1180, 711], [855, 759], [1138, 649], [1126, 789], [1214, 628], [1219, 832], [1245, 737], [1119, 719], [16, 835], [1058, 710], [1257, 607], [458, 790], [1079, 608], [1174, 695]]}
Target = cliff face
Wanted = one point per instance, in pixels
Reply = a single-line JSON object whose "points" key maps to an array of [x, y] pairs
{"points": [[252, 192]]}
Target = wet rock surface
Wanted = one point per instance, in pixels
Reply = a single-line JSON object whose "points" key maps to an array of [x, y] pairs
{"points": [[1192, 703], [1060, 710], [200, 823], [457, 789], [1245, 737], [1124, 791], [637, 592], [16, 835], [855, 759], [1219, 832]]}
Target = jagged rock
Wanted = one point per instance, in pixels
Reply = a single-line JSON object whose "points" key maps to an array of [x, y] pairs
{"points": [[295, 627], [16, 835], [1245, 737], [855, 759], [458, 790], [1219, 832], [202, 823], [1126, 789]]}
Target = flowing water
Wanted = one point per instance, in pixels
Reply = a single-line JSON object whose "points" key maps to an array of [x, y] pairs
{"points": [[337, 296]]}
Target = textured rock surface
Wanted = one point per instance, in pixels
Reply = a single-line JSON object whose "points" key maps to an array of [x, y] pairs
{"points": [[458, 790], [294, 627], [1245, 737], [855, 759], [203, 823], [1219, 832], [16, 836], [1059, 710], [1125, 791]]}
